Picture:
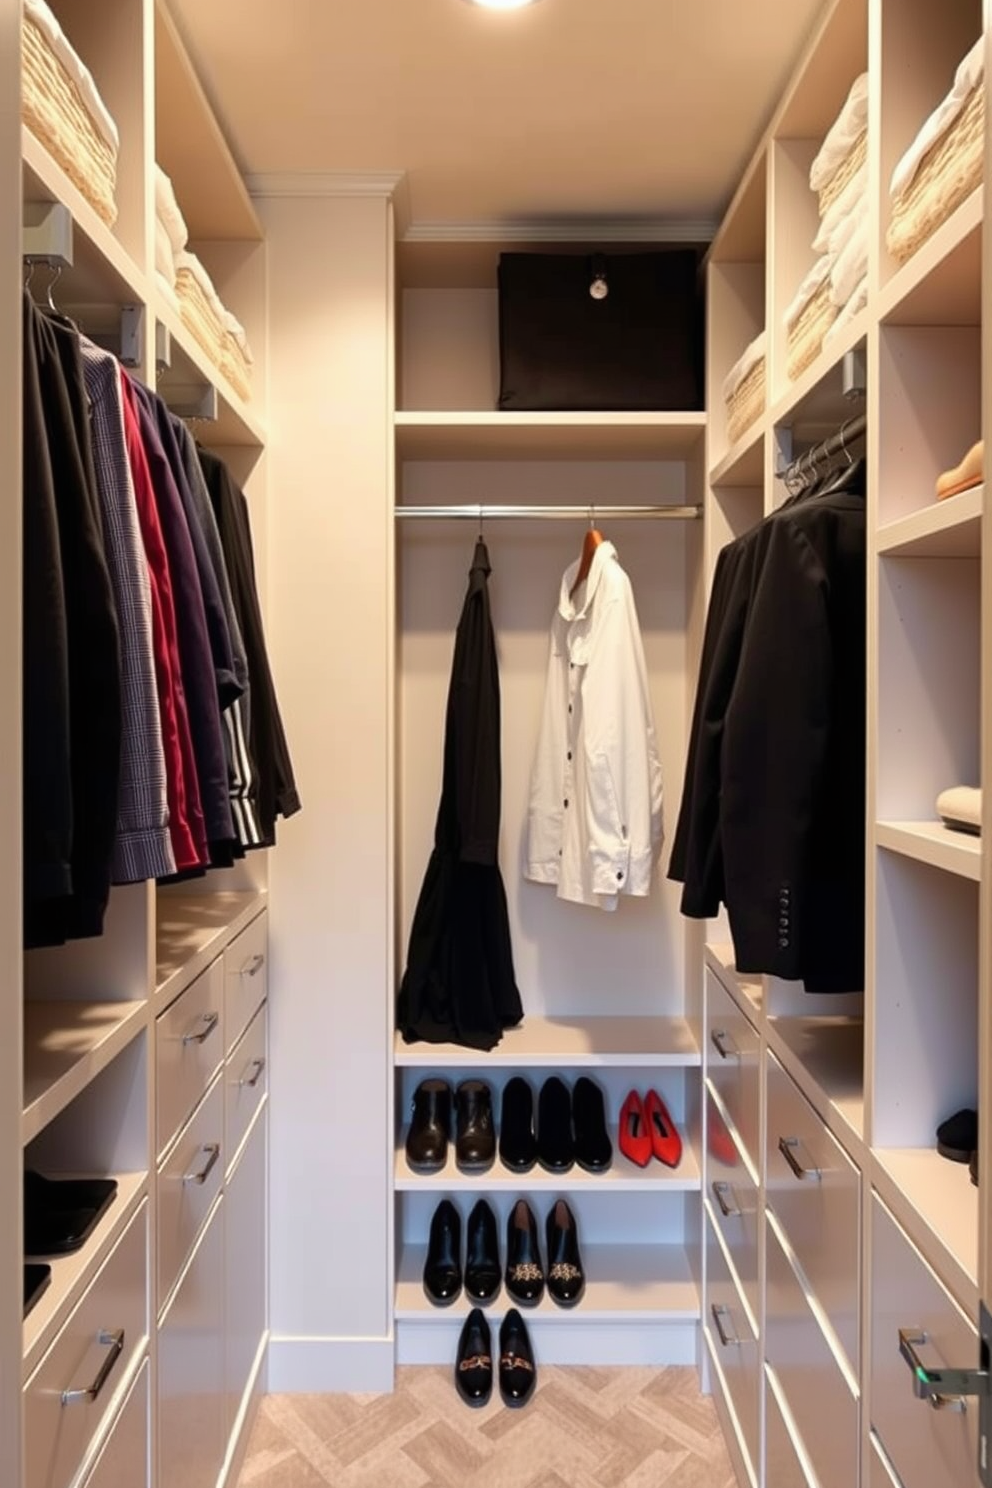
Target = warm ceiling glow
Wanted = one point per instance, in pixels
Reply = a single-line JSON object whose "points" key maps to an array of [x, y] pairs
{"points": [[502, 4]]}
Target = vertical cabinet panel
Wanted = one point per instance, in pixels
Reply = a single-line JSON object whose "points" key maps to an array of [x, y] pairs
{"points": [[733, 1345], [191, 1416], [733, 1065], [244, 1267]]}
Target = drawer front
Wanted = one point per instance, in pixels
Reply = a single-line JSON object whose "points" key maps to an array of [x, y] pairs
{"points": [[732, 1063], [191, 1439], [925, 1445], [880, 1472], [245, 977], [783, 1468], [734, 1344], [815, 1192], [817, 1394], [245, 1082], [188, 1183], [244, 1272], [189, 1048], [90, 1356], [733, 1200], [123, 1463]]}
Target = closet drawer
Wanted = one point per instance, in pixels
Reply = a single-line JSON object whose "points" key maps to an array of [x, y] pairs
{"points": [[245, 977], [188, 1183], [191, 1437], [815, 1192], [925, 1445], [783, 1468], [123, 1463], [734, 1344], [245, 1083], [732, 1063], [245, 1230], [881, 1474], [818, 1395], [90, 1356], [189, 1049], [733, 1200]]}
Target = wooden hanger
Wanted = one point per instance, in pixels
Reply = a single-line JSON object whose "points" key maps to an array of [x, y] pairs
{"points": [[593, 538]]}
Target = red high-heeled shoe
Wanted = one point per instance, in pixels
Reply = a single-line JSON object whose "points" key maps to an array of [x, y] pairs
{"points": [[634, 1135], [665, 1140]]}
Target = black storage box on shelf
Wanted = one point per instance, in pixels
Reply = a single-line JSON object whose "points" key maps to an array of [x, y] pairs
{"points": [[596, 332]]}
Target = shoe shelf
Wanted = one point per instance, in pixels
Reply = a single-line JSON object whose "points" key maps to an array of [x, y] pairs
{"points": [[66, 1045], [825, 1057], [621, 1176], [71, 1274], [471, 435], [941, 283], [932, 843], [192, 929], [569, 1042], [650, 1283], [947, 529], [938, 1205]]}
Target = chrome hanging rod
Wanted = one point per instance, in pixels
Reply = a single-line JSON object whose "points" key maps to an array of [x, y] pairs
{"points": [[488, 513]]}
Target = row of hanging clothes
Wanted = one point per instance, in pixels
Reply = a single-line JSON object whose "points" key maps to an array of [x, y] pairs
{"points": [[153, 744], [772, 817]]}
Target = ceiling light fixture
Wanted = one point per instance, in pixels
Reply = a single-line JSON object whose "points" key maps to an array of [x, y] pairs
{"points": [[501, 4]]}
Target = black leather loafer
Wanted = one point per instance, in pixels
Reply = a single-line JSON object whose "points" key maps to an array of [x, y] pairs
{"points": [[475, 1133], [517, 1142], [524, 1272], [517, 1370], [474, 1360], [482, 1273], [555, 1147], [566, 1278], [427, 1139], [442, 1269], [593, 1148], [957, 1137]]}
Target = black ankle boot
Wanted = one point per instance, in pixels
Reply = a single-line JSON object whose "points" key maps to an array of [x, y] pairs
{"points": [[482, 1274], [524, 1273], [517, 1143], [475, 1134], [555, 1147], [442, 1268], [427, 1139], [566, 1278], [593, 1148]]}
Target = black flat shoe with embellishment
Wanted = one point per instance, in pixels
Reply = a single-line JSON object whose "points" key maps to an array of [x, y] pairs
{"points": [[566, 1278], [517, 1370], [474, 1360], [524, 1273]]}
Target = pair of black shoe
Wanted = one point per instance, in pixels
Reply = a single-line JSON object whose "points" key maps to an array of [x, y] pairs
{"points": [[571, 1127], [525, 1275], [474, 1361], [475, 1133]]}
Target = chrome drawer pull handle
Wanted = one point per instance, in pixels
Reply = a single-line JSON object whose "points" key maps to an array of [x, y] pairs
{"points": [[254, 966], [200, 1175], [720, 1313], [720, 1038], [787, 1146], [939, 1386], [107, 1338], [720, 1192], [208, 1023], [251, 1081]]}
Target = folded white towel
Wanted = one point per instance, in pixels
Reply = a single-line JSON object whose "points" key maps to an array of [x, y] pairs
{"points": [[167, 210], [851, 265], [814, 280], [744, 364], [165, 262], [967, 78], [60, 44], [842, 136], [167, 292], [853, 199], [237, 330], [854, 306], [189, 261]]}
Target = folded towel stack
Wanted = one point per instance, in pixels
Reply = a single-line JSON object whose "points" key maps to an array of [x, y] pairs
{"points": [[744, 388]]}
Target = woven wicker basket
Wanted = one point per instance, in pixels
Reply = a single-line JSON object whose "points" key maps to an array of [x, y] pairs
{"points": [[53, 109], [805, 338], [746, 402], [845, 172], [948, 173]]}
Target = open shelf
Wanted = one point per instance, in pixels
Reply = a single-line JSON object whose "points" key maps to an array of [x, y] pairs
{"points": [[569, 1042], [743, 465], [942, 283], [66, 1045], [191, 931], [548, 436], [938, 1204], [947, 529], [749, 993], [933, 843], [71, 1274], [236, 423], [620, 1176], [825, 1057], [816, 399], [647, 1283]]}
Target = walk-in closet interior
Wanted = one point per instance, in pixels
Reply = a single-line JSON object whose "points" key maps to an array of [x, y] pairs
{"points": [[254, 360]]}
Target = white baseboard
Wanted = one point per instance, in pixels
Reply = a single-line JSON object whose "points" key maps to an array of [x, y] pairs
{"points": [[317, 1366], [569, 1341]]}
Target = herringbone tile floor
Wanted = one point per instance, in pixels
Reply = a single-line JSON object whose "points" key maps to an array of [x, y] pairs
{"points": [[585, 1428]]}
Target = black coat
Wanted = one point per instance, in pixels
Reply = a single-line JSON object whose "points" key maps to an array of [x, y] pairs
{"points": [[459, 984]]}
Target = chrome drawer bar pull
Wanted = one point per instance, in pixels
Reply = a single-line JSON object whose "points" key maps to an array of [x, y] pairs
{"points": [[720, 1038], [788, 1146], [200, 1175], [721, 1315], [720, 1193], [199, 1035], [251, 1081], [944, 1388], [254, 966], [107, 1338]]}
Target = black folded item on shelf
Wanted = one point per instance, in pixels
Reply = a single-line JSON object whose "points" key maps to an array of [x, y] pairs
{"points": [[60, 1213], [600, 332], [36, 1279]]}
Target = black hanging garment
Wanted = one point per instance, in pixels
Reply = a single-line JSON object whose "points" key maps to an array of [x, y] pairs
{"points": [[459, 984]]}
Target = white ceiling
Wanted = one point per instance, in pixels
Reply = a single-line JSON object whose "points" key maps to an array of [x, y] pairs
{"points": [[624, 109]]}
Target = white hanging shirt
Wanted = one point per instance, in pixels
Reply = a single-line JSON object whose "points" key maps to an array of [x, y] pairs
{"points": [[594, 821]]}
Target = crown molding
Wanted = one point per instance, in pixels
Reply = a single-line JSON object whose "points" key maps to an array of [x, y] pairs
{"points": [[576, 230], [325, 183]]}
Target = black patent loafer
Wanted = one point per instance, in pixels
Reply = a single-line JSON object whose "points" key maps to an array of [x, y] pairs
{"points": [[555, 1146], [427, 1139], [475, 1130], [517, 1142], [442, 1268], [517, 1370], [524, 1273], [593, 1148], [474, 1360], [566, 1278]]}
